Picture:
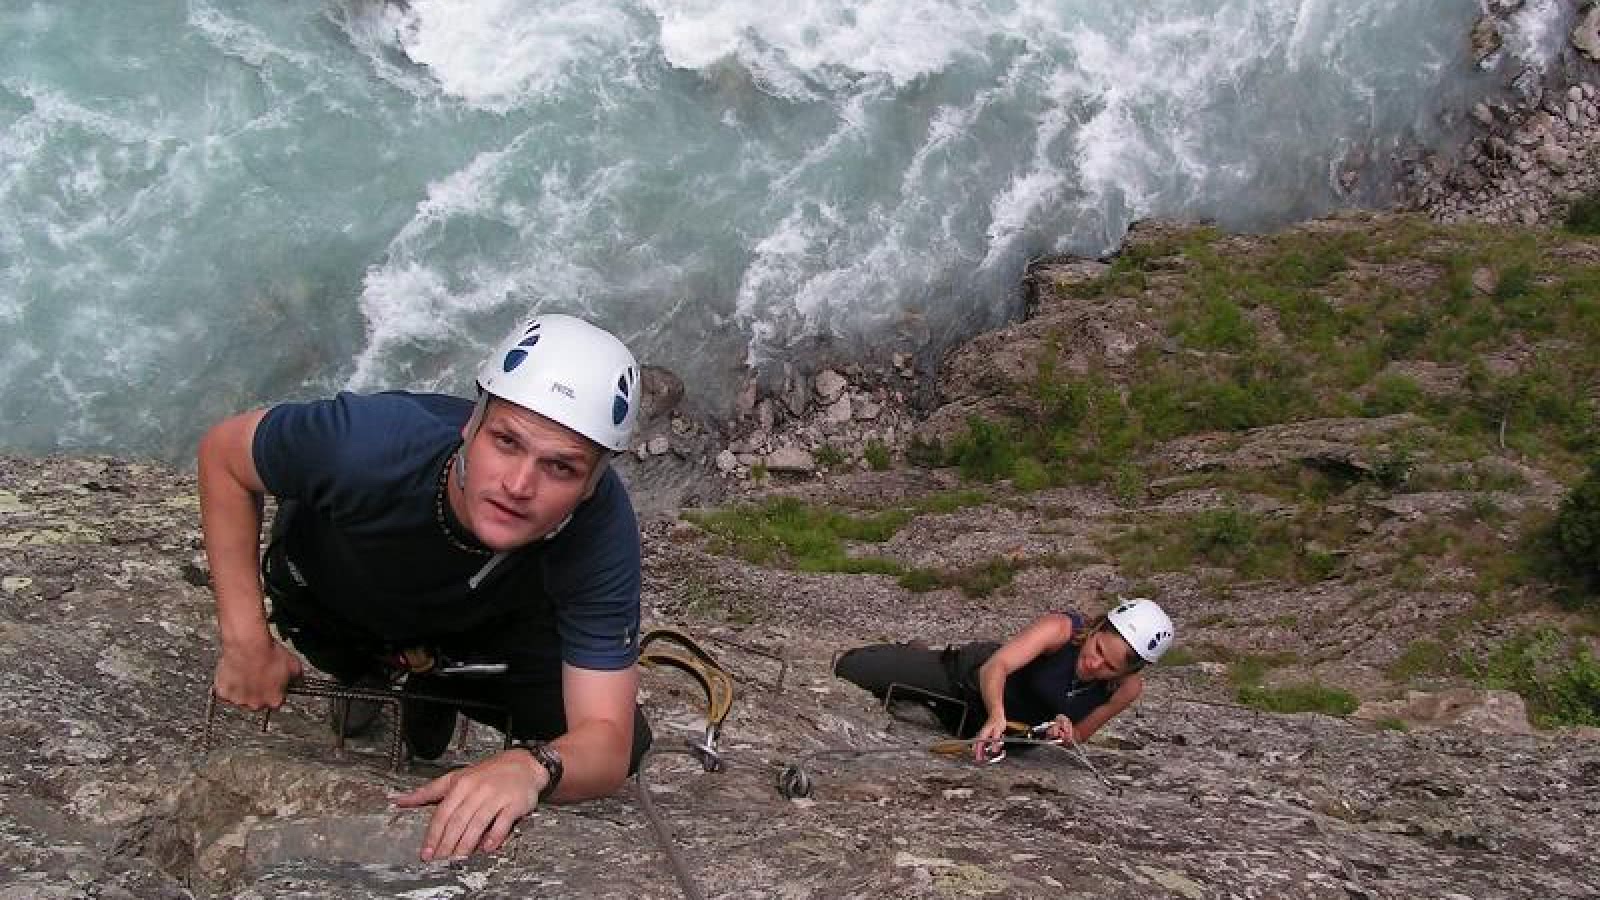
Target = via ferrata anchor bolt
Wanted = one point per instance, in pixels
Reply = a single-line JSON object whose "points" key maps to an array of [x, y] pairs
{"points": [[794, 783]]}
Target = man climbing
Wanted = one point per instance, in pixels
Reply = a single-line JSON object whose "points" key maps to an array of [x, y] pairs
{"points": [[423, 534]]}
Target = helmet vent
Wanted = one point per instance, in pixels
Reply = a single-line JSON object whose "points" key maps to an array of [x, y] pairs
{"points": [[520, 351], [624, 398]]}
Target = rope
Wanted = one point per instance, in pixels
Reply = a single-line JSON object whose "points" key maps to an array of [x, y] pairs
{"points": [[680, 869]]}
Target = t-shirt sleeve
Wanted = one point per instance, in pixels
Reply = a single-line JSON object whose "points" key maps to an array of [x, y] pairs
{"points": [[345, 455], [593, 576]]}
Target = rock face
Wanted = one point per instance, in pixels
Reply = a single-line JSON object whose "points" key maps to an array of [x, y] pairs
{"points": [[106, 649], [1532, 151]]}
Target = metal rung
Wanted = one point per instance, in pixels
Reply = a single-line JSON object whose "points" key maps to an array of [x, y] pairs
{"points": [[394, 698]]}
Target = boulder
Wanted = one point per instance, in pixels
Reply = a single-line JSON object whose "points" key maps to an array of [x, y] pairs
{"points": [[829, 385], [1586, 33], [791, 459], [1491, 712]]}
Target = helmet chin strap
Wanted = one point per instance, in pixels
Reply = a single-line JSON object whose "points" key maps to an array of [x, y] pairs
{"points": [[473, 424]]}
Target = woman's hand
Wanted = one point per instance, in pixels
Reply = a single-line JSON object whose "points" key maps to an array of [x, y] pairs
{"points": [[1061, 731], [986, 744]]}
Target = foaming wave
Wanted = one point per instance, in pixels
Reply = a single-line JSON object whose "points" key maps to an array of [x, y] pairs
{"points": [[1538, 32], [502, 54], [827, 43], [441, 297], [241, 40]]}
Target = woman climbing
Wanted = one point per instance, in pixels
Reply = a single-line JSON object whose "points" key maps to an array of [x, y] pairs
{"points": [[1073, 674]]}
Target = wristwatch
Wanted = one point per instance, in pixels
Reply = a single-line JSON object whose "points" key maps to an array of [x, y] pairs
{"points": [[545, 755]]}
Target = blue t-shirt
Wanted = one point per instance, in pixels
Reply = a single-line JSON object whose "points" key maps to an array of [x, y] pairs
{"points": [[369, 539]]}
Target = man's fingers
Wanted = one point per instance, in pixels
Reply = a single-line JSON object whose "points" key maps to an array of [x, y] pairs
{"points": [[499, 831], [464, 824], [476, 834], [432, 792]]}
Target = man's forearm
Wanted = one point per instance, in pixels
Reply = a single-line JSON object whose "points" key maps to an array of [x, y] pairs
{"points": [[594, 758], [230, 520]]}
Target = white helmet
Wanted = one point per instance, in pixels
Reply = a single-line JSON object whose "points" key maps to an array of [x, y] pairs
{"points": [[571, 372], [1144, 625]]}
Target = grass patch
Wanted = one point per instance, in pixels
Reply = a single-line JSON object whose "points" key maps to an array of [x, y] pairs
{"points": [[976, 581], [702, 599], [1306, 325], [1423, 657], [1293, 549], [788, 533], [1245, 670], [949, 501], [1179, 656], [1309, 696]]}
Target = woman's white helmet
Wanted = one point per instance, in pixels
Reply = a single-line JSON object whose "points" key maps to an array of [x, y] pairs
{"points": [[1144, 625], [571, 372]]}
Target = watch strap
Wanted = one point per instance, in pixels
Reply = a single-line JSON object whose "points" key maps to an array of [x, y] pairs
{"points": [[546, 756]]}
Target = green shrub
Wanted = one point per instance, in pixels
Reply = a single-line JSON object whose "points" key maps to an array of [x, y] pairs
{"points": [[1560, 686], [921, 581], [985, 578], [1249, 669], [1403, 335], [1220, 325], [876, 453], [829, 457], [985, 453], [923, 453], [1583, 215], [1179, 656], [1393, 469], [1391, 723], [1028, 474], [1219, 534], [1514, 283], [978, 581], [1577, 529], [1393, 394]]}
